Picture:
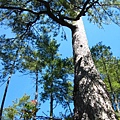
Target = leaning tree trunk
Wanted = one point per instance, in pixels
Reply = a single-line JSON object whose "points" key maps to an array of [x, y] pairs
{"points": [[91, 99], [4, 95]]}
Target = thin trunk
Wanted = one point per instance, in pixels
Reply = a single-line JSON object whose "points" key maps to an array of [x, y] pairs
{"points": [[51, 94], [109, 81], [6, 88], [117, 74], [69, 109], [36, 87], [51, 105], [4, 96], [36, 94], [91, 99]]}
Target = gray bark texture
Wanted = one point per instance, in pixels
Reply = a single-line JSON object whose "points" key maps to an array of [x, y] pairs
{"points": [[91, 99]]}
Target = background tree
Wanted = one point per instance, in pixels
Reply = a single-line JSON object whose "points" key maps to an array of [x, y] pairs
{"points": [[32, 63], [53, 70], [9, 54], [23, 16], [108, 66], [42, 57], [57, 86]]}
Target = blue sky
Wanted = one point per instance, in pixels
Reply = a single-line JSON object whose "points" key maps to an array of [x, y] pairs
{"points": [[20, 84]]}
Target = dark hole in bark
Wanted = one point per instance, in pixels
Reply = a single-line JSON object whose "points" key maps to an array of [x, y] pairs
{"points": [[81, 45]]}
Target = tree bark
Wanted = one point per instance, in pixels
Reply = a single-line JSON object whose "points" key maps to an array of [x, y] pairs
{"points": [[91, 99], [4, 96]]}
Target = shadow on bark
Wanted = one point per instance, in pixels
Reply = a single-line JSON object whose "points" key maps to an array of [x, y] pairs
{"points": [[93, 102]]}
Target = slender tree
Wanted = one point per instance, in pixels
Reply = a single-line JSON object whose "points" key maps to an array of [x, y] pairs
{"points": [[44, 59], [9, 56], [91, 100], [32, 64], [56, 78]]}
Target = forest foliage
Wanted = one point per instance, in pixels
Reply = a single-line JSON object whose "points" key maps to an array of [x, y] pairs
{"points": [[61, 89], [29, 20]]}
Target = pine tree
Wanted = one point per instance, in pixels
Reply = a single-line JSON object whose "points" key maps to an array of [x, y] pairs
{"points": [[91, 99], [9, 53], [57, 86], [53, 71], [108, 66]]}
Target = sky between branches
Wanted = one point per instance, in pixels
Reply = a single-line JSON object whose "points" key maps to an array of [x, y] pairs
{"points": [[19, 84]]}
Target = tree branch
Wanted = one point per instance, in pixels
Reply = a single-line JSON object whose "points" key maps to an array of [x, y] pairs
{"points": [[67, 18], [90, 6], [109, 15], [47, 12], [83, 9], [59, 20], [22, 9]]}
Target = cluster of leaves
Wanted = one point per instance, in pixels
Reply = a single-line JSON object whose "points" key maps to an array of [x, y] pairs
{"points": [[23, 108], [56, 77]]}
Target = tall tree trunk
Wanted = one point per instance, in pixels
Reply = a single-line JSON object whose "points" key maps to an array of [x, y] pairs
{"points": [[91, 99], [4, 96], [51, 86], [36, 94], [36, 87], [51, 105], [6, 88]]}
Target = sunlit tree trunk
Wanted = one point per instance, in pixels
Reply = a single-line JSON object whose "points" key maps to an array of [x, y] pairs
{"points": [[91, 100]]}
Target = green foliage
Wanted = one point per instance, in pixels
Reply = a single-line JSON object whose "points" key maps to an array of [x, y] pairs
{"points": [[56, 79], [108, 65], [40, 56], [22, 108], [28, 18], [8, 55], [54, 72], [22, 16], [118, 115], [109, 68]]}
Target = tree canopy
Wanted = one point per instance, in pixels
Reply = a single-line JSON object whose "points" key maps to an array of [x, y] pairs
{"points": [[25, 15], [27, 18]]}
